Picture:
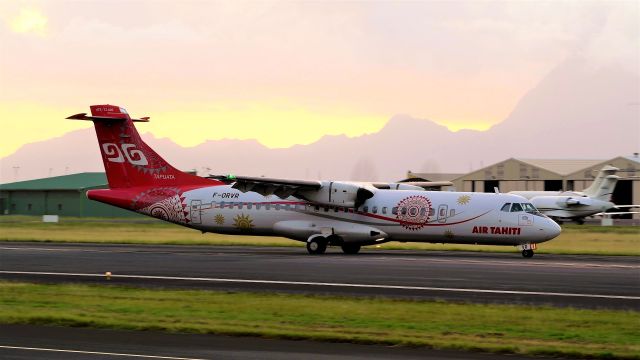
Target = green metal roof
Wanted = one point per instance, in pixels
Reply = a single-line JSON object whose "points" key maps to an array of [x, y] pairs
{"points": [[66, 182]]}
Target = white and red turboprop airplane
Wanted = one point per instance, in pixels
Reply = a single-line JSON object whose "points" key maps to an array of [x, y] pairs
{"points": [[320, 213]]}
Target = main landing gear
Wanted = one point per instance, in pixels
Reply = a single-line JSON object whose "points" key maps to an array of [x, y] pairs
{"points": [[317, 244]]}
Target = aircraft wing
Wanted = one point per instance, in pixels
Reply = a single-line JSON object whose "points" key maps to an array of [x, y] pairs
{"points": [[616, 213], [626, 206], [411, 185], [282, 188]]}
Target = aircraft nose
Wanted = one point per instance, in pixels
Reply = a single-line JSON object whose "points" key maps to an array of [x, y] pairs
{"points": [[552, 229]]}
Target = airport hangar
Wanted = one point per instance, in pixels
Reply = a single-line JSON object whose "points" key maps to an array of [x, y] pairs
{"points": [[547, 175], [58, 195]]}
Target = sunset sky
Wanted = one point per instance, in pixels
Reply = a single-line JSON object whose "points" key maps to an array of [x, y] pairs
{"points": [[288, 73]]}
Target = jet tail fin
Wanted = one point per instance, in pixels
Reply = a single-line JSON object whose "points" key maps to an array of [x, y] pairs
{"points": [[129, 161], [604, 184]]}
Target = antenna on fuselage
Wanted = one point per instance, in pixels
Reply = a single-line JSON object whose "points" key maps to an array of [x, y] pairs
{"points": [[496, 190]]}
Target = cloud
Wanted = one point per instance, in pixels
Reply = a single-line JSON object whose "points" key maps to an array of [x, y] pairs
{"points": [[29, 20]]}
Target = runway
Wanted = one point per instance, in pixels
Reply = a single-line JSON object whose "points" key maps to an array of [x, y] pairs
{"points": [[19, 342], [559, 280]]}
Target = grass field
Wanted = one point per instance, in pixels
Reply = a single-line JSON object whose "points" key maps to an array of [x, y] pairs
{"points": [[494, 328], [575, 239]]}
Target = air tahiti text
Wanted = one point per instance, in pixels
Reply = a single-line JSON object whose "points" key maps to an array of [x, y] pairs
{"points": [[499, 230], [226, 195]]}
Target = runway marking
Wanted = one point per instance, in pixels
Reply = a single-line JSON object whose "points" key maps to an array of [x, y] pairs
{"points": [[369, 286], [98, 353], [575, 265]]}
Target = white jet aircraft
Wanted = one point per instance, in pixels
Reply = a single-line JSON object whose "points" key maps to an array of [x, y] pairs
{"points": [[574, 205], [319, 213]]}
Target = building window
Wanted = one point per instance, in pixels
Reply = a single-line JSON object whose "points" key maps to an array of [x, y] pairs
{"points": [[523, 171], [59, 207], [535, 173]]}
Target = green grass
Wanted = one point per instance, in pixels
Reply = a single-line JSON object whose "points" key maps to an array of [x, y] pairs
{"points": [[575, 239], [493, 328]]}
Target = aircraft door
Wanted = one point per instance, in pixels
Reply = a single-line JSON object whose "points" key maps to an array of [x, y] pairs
{"points": [[442, 213], [196, 215]]}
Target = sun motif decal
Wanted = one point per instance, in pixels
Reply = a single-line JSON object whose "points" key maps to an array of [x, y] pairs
{"points": [[413, 212], [243, 222], [448, 234], [219, 219], [464, 199]]}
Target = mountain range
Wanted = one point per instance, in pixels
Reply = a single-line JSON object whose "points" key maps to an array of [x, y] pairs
{"points": [[577, 111]]}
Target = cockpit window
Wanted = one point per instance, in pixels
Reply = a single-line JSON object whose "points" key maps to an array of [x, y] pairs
{"points": [[528, 207], [516, 207], [506, 207]]}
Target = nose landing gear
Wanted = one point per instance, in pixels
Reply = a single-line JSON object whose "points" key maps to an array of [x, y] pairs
{"points": [[527, 250], [527, 253]]}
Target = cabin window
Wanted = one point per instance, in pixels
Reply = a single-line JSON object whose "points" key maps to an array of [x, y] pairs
{"points": [[249, 205], [277, 206], [287, 207], [365, 209], [267, 206], [432, 211], [240, 205], [326, 209], [316, 208], [506, 207], [423, 211], [403, 211], [258, 206], [335, 209], [384, 209], [443, 212], [342, 209], [374, 209], [516, 207], [394, 210], [452, 212]]}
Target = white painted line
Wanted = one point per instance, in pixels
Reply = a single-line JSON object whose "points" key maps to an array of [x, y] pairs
{"points": [[305, 283], [97, 353]]}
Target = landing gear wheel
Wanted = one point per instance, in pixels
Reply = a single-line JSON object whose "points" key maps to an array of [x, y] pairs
{"points": [[527, 253], [580, 221], [350, 248], [316, 245]]}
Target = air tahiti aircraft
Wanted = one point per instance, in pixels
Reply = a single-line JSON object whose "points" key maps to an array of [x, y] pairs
{"points": [[320, 213]]}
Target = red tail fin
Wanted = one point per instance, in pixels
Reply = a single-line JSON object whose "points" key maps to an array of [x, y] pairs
{"points": [[128, 161]]}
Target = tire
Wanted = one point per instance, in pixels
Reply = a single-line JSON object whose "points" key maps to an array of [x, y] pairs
{"points": [[527, 254], [350, 248], [316, 245]]}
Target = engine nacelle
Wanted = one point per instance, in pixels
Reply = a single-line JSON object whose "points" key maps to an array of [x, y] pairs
{"points": [[339, 193], [551, 202]]}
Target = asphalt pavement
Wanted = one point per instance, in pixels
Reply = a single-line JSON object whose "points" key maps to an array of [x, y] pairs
{"points": [[558, 280]]}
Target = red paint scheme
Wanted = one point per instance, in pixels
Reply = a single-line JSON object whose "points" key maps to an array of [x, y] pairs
{"points": [[132, 167]]}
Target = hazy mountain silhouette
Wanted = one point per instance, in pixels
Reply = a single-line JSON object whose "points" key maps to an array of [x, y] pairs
{"points": [[576, 111]]}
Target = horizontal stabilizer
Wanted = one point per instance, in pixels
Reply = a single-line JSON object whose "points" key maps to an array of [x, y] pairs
{"points": [[83, 116]]}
